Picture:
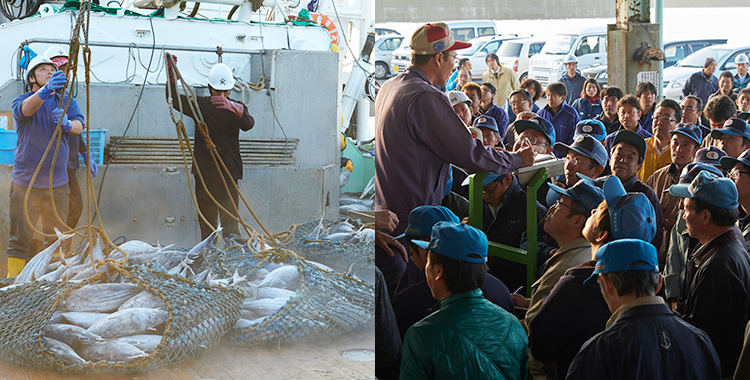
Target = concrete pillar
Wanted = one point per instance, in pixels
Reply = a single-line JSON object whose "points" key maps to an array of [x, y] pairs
{"points": [[632, 28]]}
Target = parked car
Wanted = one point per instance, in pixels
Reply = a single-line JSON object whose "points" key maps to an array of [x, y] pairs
{"points": [[588, 45], [466, 30], [480, 48], [382, 54], [676, 76], [380, 32], [517, 53], [673, 52]]}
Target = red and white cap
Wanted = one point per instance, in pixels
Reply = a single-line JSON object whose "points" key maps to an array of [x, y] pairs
{"points": [[434, 38]]}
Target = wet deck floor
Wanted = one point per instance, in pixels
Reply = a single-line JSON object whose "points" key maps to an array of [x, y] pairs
{"points": [[314, 360]]}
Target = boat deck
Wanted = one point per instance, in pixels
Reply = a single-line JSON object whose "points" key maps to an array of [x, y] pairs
{"points": [[310, 360]]}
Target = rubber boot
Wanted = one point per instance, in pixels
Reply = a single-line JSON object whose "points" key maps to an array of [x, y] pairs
{"points": [[15, 266]]}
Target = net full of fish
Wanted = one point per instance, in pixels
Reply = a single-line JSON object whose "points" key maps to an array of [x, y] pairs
{"points": [[289, 298], [122, 318], [339, 244]]}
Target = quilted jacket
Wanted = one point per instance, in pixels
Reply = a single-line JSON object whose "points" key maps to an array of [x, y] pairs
{"points": [[467, 337]]}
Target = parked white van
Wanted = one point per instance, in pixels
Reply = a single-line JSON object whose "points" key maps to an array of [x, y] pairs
{"points": [[588, 45]]}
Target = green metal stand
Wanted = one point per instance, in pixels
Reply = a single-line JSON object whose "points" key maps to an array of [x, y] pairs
{"points": [[526, 257]]}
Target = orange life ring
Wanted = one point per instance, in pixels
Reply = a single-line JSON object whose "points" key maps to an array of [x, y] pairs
{"points": [[329, 24]]}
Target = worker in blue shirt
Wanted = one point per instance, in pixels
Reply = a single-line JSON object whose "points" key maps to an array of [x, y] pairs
{"points": [[562, 116]]}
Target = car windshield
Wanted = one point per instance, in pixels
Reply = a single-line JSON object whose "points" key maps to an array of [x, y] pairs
{"points": [[510, 49], [699, 57], [559, 44]]}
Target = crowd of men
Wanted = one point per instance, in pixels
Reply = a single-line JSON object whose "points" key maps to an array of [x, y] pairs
{"points": [[643, 266]]}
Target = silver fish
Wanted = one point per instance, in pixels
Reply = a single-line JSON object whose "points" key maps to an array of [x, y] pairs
{"points": [[82, 319], [266, 292], [99, 297], [286, 277], [243, 323], [264, 307], [71, 335], [203, 246], [145, 342], [112, 350], [63, 352], [129, 322], [36, 266], [52, 276], [144, 299]]}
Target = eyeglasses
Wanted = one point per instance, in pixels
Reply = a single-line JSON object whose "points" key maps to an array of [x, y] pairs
{"points": [[664, 118], [559, 203], [454, 57], [734, 174], [486, 189], [536, 142], [518, 103]]}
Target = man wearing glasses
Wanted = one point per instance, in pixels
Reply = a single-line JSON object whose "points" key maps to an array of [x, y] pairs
{"points": [[692, 110], [664, 121], [418, 135], [501, 77]]}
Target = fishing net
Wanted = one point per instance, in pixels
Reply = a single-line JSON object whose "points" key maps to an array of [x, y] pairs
{"points": [[326, 302], [358, 258], [199, 315]]}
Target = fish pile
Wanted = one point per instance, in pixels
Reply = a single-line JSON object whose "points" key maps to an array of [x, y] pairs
{"points": [[341, 231]]}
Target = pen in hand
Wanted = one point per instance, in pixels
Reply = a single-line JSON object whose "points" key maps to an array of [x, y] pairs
{"points": [[518, 290]]}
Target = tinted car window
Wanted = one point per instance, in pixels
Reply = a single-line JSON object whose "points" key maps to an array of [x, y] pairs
{"points": [[535, 48], [510, 49], [486, 31], [674, 53], [463, 34], [390, 44], [491, 47], [588, 45]]}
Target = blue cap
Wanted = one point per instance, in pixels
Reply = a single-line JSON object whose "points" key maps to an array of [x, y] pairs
{"points": [[592, 127], [422, 218], [714, 190], [728, 162], [487, 180], [631, 138], [733, 127], [631, 215], [540, 124], [690, 130], [460, 242], [692, 169], [587, 146], [583, 191], [619, 256], [711, 155], [486, 122]]}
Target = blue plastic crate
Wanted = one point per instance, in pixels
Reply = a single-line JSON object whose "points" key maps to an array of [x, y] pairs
{"points": [[8, 142], [96, 146]]}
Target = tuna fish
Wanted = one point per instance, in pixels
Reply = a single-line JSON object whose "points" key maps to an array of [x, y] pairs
{"points": [[144, 299], [266, 292], [99, 297], [112, 350], [145, 342], [35, 268], [286, 277], [71, 335], [263, 307], [63, 352], [82, 319], [129, 322]]}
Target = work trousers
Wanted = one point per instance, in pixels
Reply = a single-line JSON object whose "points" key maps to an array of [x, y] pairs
{"points": [[39, 206], [209, 209]]}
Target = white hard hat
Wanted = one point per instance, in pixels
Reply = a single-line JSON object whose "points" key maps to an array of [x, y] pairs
{"points": [[56, 51], [741, 59], [38, 60], [457, 97], [570, 58], [220, 77]]}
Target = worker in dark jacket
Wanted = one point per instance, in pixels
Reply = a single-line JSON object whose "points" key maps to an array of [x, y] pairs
{"points": [[572, 79], [739, 171], [717, 278], [466, 337], [562, 116], [703, 83], [504, 221], [224, 119], [643, 339], [628, 152], [574, 312], [413, 303]]}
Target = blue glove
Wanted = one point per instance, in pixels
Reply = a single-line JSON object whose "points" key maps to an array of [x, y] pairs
{"points": [[94, 168], [58, 114], [56, 82]]}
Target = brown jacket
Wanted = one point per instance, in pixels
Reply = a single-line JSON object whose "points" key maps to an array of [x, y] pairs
{"points": [[661, 180]]}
